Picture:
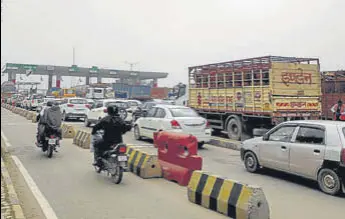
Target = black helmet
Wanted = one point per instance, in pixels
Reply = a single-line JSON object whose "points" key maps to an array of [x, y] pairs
{"points": [[50, 103], [340, 102], [112, 110]]}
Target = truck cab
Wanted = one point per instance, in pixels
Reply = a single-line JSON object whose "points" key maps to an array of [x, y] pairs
{"points": [[181, 95]]}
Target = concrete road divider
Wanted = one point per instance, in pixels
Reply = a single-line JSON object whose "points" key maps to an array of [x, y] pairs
{"points": [[82, 139], [29, 115], [24, 113], [177, 154], [144, 162], [34, 117], [228, 197], [225, 143], [67, 131]]}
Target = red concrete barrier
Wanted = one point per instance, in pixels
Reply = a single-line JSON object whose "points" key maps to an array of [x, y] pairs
{"points": [[177, 155]]}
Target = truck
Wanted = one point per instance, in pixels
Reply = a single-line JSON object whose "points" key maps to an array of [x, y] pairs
{"points": [[333, 90], [249, 96], [141, 92], [159, 92]]}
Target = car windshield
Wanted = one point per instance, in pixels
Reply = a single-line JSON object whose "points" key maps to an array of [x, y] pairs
{"points": [[78, 101], [183, 112], [37, 97], [59, 101], [149, 105], [133, 103], [118, 104]]}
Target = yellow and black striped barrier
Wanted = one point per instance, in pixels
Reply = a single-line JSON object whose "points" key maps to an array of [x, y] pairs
{"points": [[82, 139], [67, 131], [143, 164], [231, 198]]}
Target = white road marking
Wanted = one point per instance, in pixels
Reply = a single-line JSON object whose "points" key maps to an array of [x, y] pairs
{"points": [[7, 143], [42, 201]]}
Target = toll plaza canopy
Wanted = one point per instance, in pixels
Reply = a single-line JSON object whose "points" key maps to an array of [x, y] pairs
{"points": [[74, 70]]}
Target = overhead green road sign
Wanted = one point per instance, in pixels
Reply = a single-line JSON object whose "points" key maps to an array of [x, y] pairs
{"points": [[73, 68], [13, 66], [94, 69], [30, 67]]}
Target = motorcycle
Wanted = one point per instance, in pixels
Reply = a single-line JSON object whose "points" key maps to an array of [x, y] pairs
{"points": [[114, 162], [50, 145]]}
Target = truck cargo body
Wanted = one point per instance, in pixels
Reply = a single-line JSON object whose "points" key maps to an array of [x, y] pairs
{"points": [[159, 92], [239, 96], [333, 90], [133, 91]]}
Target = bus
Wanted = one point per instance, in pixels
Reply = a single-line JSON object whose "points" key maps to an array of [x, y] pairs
{"points": [[65, 93]]}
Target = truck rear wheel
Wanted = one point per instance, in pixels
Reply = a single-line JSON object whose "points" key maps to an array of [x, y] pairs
{"points": [[234, 129]]}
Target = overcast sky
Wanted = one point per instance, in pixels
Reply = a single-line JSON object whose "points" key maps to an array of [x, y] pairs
{"points": [[169, 36]]}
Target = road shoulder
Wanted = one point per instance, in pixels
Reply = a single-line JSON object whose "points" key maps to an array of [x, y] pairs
{"points": [[21, 199]]}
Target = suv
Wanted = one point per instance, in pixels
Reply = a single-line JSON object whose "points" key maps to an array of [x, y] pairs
{"points": [[311, 149], [76, 108]]}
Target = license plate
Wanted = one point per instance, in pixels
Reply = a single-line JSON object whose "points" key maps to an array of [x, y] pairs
{"points": [[122, 158], [51, 141]]}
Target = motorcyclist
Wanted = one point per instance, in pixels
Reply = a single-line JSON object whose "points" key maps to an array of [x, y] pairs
{"points": [[338, 109], [49, 122], [114, 127]]}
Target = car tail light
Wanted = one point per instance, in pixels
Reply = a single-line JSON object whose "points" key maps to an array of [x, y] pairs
{"points": [[70, 105], [123, 149], [52, 136], [342, 156], [175, 124], [33, 101], [88, 106], [105, 111]]}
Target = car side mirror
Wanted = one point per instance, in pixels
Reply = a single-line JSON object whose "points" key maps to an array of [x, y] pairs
{"points": [[265, 137]]}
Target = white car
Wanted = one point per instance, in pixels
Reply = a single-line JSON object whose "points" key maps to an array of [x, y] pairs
{"points": [[173, 119], [99, 110], [33, 101], [311, 149], [76, 108]]}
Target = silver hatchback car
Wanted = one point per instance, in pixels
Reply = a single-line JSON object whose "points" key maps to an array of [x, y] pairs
{"points": [[311, 149]]}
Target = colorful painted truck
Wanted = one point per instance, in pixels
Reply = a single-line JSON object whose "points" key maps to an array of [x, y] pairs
{"points": [[333, 89], [250, 95]]}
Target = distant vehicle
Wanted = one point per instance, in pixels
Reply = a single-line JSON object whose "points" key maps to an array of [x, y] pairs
{"points": [[173, 118], [65, 93], [76, 108], [90, 101], [33, 101], [144, 108], [99, 92], [99, 111], [311, 149], [44, 103]]}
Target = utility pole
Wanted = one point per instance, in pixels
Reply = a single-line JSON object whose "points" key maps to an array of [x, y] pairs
{"points": [[73, 55], [131, 64]]}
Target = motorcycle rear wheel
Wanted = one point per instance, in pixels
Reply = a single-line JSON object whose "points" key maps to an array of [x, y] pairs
{"points": [[50, 150], [117, 176]]}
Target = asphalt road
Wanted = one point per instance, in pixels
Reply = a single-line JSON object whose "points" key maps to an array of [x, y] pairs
{"points": [[74, 190]]}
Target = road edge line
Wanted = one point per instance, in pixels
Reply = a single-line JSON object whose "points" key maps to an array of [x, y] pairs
{"points": [[7, 143], [15, 204], [42, 201]]}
